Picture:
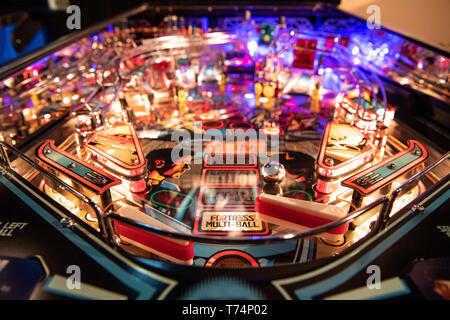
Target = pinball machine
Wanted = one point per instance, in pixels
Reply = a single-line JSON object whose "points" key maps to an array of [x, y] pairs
{"points": [[225, 152]]}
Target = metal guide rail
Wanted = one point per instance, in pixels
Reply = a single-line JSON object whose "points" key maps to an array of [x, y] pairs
{"points": [[106, 218]]}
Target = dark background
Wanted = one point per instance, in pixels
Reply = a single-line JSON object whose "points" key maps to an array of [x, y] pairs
{"points": [[35, 24]]}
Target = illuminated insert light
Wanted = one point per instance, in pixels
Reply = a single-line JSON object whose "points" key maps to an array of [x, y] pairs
{"points": [[190, 74], [404, 81], [139, 99], [116, 106], [207, 116], [252, 46], [263, 99], [271, 131]]}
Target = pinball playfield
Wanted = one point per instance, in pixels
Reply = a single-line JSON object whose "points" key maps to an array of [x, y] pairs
{"points": [[170, 155]]}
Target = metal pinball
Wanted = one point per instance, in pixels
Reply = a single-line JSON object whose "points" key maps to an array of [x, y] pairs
{"points": [[169, 154]]}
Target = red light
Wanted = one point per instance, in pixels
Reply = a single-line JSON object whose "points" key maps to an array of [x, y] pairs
{"points": [[290, 103], [138, 186], [324, 186]]}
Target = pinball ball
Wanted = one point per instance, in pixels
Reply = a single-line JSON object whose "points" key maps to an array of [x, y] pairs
{"points": [[273, 172]]}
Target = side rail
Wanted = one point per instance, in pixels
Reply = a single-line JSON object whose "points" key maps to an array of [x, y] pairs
{"points": [[384, 216], [381, 203], [6, 150], [106, 220]]}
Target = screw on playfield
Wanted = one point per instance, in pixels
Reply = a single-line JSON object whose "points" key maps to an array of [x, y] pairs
{"points": [[418, 209]]}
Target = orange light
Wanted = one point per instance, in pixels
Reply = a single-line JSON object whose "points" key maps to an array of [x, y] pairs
{"points": [[272, 131], [207, 116]]}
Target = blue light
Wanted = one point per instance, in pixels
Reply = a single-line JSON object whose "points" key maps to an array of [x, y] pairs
{"points": [[229, 47], [209, 70]]}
